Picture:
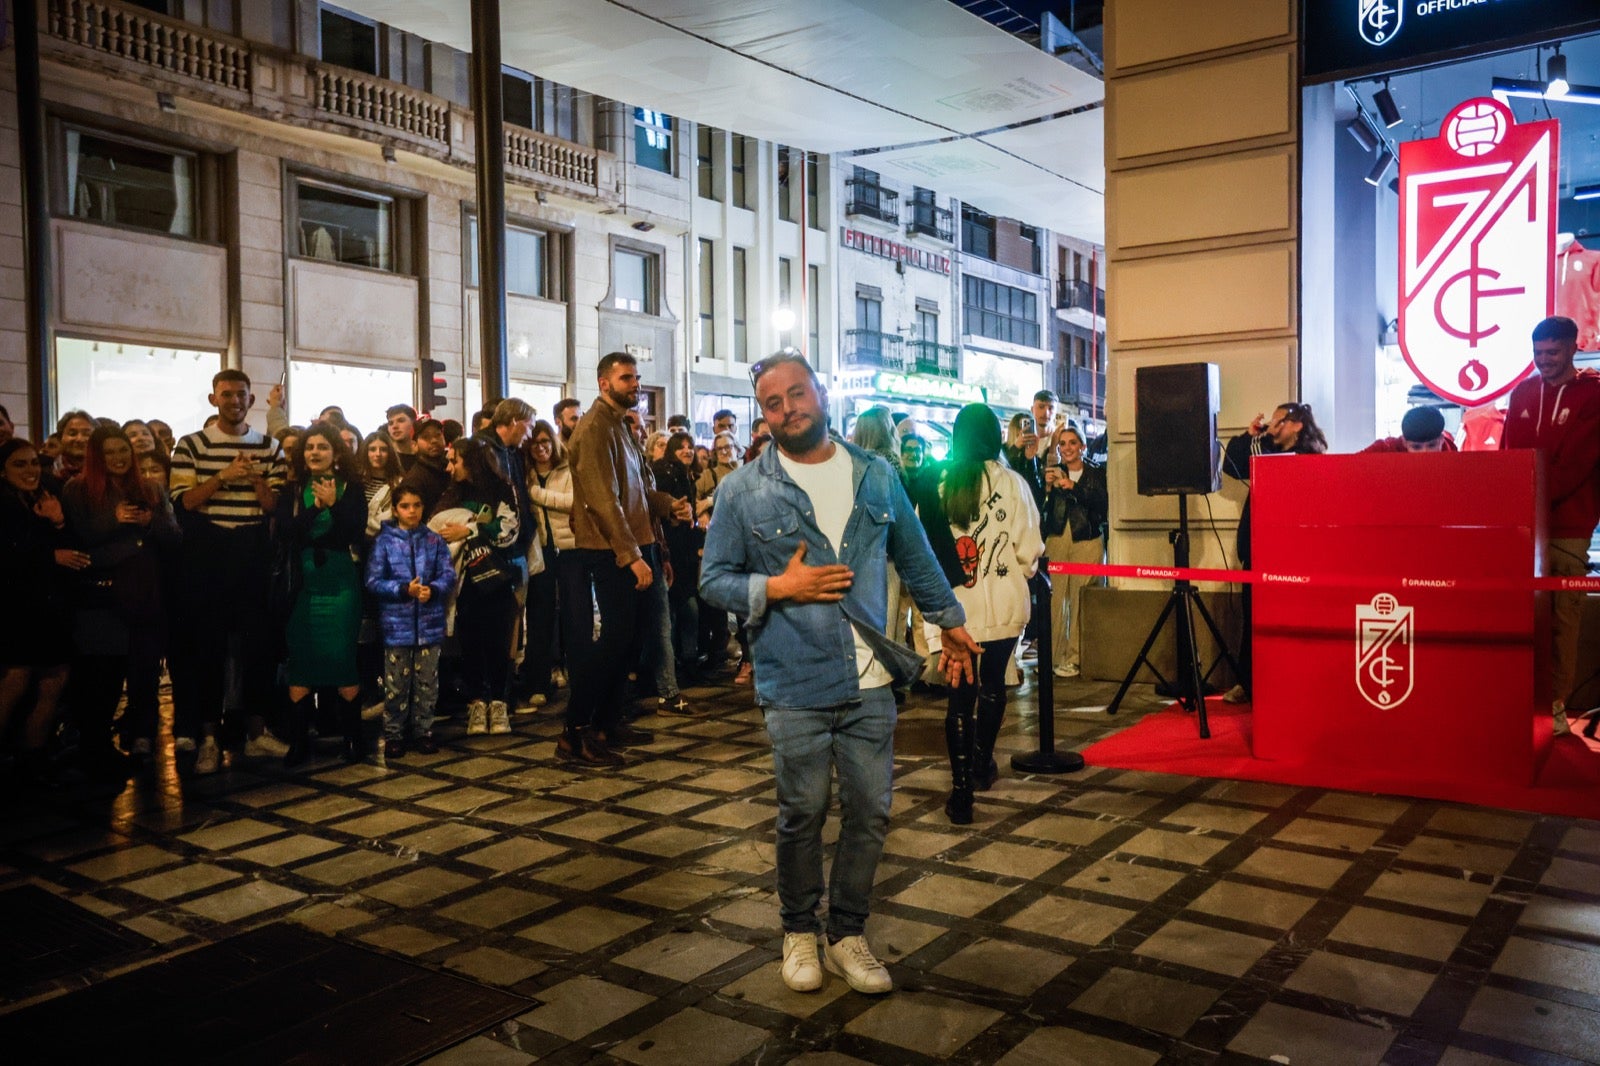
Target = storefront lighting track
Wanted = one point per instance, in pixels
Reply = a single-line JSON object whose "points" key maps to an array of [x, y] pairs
{"points": [[1506, 88], [1586, 192]]}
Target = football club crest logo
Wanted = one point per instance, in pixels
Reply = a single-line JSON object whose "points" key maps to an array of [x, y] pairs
{"points": [[1379, 20], [1383, 651], [1477, 249]]}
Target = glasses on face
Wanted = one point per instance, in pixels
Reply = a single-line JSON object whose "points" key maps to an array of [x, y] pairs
{"points": [[544, 442]]}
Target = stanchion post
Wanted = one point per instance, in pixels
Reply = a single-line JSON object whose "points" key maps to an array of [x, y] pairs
{"points": [[1046, 760]]}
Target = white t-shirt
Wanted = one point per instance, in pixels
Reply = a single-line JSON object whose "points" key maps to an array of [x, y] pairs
{"points": [[828, 484]]}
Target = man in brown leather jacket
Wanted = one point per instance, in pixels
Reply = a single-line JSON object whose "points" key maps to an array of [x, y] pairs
{"points": [[617, 556]]}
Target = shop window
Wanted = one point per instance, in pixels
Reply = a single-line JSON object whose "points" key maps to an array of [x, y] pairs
{"points": [[127, 183], [531, 266], [344, 226], [348, 40], [127, 380], [635, 281], [741, 305], [652, 139], [706, 343], [364, 393], [1001, 312]]}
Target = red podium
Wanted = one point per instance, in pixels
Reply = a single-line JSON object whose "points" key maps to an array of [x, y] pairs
{"points": [[1404, 677]]}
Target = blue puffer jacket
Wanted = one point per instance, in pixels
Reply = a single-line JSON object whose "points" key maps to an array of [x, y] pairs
{"points": [[398, 555]]}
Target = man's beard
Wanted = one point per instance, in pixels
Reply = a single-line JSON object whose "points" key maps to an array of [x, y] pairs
{"points": [[802, 441], [623, 399]]}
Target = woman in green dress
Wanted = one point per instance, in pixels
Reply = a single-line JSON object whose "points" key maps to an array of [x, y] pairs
{"points": [[322, 516]]}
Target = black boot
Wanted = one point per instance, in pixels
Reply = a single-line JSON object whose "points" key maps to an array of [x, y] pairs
{"points": [[958, 738], [350, 725], [991, 712], [299, 727]]}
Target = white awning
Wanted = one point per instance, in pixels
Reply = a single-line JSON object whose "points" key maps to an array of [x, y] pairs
{"points": [[927, 87]]}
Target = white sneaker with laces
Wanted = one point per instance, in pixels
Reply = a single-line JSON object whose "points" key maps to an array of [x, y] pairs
{"points": [[210, 757], [499, 717], [1069, 670], [266, 745], [802, 971], [477, 718], [851, 959], [531, 705]]}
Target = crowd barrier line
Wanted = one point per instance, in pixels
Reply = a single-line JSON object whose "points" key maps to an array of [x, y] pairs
{"points": [[1275, 577]]}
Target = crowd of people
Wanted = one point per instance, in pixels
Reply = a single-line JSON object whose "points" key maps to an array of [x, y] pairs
{"points": [[297, 582]]}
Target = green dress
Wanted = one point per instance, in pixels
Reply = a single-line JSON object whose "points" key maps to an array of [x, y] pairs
{"points": [[326, 619]]}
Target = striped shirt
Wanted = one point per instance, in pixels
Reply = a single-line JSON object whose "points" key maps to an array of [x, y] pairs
{"points": [[201, 455]]}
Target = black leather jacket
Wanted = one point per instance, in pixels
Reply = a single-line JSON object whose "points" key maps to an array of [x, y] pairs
{"points": [[1080, 510]]}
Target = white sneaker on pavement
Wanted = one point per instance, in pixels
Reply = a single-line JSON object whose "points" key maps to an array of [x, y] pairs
{"points": [[477, 718], [1069, 670], [499, 718], [851, 959], [266, 745], [209, 758], [802, 971]]}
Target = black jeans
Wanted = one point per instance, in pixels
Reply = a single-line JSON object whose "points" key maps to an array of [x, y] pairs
{"points": [[544, 609], [598, 669], [95, 690], [224, 596], [485, 625]]}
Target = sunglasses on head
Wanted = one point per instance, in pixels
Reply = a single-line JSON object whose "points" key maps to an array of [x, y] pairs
{"points": [[775, 360]]}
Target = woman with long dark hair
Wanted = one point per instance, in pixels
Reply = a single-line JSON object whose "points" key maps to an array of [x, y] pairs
{"points": [[550, 490], [37, 566], [984, 528], [478, 512], [320, 522], [1074, 521], [141, 436], [674, 474], [124, 523]]}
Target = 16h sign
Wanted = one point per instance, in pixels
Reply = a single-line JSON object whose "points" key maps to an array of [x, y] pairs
{"points": [[1477, 249]]}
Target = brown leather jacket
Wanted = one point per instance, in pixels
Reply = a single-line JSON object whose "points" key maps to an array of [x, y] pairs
{"points": [[613, 495]]}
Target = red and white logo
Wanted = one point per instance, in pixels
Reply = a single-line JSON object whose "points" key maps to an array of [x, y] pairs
{"points": [[1477, 249], [1384, 664]]}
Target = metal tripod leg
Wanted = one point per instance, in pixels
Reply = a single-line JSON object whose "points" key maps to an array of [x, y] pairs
{"points": [[1143, 658]]}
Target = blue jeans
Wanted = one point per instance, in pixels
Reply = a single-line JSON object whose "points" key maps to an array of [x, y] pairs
{"points": [[655, 635], [807, 744]]}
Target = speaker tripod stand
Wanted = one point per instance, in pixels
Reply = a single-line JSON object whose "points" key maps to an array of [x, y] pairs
{"points": [[1182, 604]]}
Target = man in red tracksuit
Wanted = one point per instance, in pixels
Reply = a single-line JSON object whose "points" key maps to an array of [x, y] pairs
{"points": [[1558, 412]]}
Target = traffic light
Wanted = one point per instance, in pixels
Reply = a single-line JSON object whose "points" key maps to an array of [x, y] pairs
{"points": [[433, 383]]}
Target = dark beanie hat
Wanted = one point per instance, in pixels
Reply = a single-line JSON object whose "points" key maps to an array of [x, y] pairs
{"points": [[1422, 424]]}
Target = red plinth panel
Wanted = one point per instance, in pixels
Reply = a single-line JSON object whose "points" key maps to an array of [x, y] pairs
{"points": [[1404, 679]]}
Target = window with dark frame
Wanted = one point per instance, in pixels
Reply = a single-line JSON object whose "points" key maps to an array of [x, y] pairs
{"points": [[128, 183], [786, 296], [342, 225], [786, 184], [633, 280], [741, 307], [813, 311], [705, 162], [652, 139], [530, 270], [348, 40], [1000, 312], [707, 341], [741, 149], [977, 233], [813, 194]]}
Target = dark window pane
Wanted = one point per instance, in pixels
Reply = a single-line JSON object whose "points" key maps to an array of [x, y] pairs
{"points": [[130, 184], [516, 94], [349, 42], [652, 139], [344, 227]]}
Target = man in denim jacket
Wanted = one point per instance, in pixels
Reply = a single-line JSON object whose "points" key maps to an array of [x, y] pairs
{"points": [[823, 667]]}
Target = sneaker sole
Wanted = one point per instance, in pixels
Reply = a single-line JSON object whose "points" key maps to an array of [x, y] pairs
{"points": [[838, 971]]}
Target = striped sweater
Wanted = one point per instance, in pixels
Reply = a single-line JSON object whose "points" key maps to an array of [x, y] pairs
{"points": [[207, 452]]}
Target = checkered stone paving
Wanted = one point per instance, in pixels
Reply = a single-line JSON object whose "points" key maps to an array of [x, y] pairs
{"points": [[1104, 918]]}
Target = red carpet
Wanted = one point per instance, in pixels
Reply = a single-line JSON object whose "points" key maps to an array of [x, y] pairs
{"points": [[1567, 774]]}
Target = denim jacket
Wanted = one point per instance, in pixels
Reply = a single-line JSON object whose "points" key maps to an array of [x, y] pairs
{"points": [[805, 652]]}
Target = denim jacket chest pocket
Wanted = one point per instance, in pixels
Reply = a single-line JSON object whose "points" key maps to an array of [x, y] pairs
{"points": [[777, 533]]}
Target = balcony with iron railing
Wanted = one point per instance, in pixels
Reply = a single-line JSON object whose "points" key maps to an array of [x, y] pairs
{"points": [[248, 77], [870, 347], [931, 357], [931, 221], [1075, 293], [1085, 385], [866, 197]]}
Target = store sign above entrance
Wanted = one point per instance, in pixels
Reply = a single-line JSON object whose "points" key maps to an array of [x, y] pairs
{"points": [[884, 248], [1477, 249]]}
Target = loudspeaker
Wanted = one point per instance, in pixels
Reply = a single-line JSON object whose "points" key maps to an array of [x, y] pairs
{"points": [[1175, 419]]}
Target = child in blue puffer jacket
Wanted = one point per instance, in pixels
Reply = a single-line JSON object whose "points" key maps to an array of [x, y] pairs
{"points": [[410, 574]]}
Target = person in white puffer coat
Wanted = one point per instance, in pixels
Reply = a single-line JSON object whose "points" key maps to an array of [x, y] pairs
{"points": [[984, 527]]}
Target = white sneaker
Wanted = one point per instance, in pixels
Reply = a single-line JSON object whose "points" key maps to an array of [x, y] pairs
{"points": [[499, 718], [1558, 715], [210, 757], [1069, 670], [477, 718], [183, 743], [534, 702], [558, 677], [266, 745], [851, 959], [801, 970], [141, 746]]}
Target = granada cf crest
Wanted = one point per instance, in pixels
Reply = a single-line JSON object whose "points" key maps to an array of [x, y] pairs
{"points": [[1384, 664], [1477, 249], [1379, 20]]}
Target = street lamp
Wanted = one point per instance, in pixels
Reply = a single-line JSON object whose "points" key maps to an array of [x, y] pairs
{"points": [[783, 319]]}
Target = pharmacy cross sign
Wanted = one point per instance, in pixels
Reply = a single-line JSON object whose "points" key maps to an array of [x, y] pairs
{"points": [[1477, 249]]}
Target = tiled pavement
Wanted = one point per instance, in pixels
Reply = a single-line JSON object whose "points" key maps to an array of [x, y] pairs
{"points": [[1103, 919]]}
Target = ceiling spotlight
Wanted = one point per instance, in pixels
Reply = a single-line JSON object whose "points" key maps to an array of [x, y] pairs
{"points": [[1375, 175], [1388, 110], [1555, 76], [1586, 192], [1362, 133]]}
